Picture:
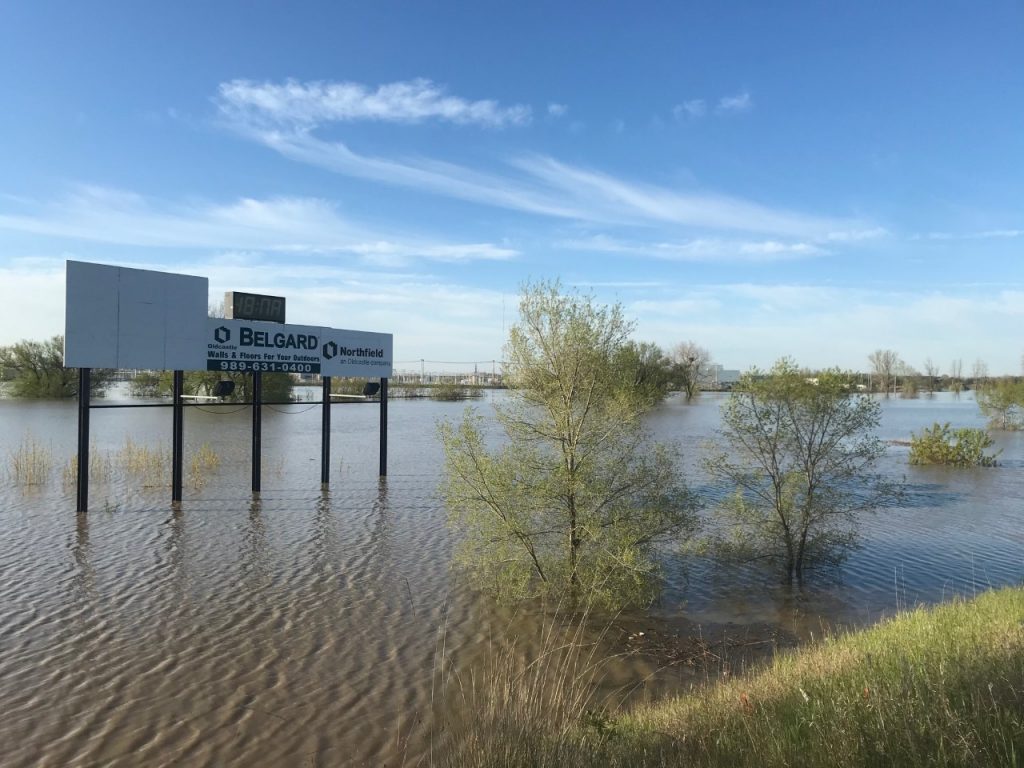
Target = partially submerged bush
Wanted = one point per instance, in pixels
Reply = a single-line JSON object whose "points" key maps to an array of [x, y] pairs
{"points": [[964, 447], [1002, 402]]}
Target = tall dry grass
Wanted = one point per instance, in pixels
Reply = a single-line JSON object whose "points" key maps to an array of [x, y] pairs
{"points": [[937, 687], [151, 465], [30, 463], [203, 463], [533, 700], [100, 468]]}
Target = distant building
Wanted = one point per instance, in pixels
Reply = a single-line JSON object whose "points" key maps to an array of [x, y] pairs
{"points": [[722, 378]]}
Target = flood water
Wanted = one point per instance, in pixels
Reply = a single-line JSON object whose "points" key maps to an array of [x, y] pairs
{"points": [[303, 628]]}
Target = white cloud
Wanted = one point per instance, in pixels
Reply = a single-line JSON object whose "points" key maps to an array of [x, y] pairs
{"points": [[534, 183], [856, 235], [747, 324], [741, 102], [693, 108], [317, 102], [988, 234], [284, 224], [32, 297], [701, 249], [557, 110]]}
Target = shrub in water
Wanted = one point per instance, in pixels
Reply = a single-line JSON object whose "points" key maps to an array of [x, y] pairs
{"points": [[963, 447]]}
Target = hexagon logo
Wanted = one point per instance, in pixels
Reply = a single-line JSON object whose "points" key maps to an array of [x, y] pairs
{"points": [[330, 350], [222, 334]]}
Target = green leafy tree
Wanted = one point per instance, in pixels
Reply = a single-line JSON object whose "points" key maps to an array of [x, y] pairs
{"points": [[799, 453], [963, 447], [1002, 403], [646, 369], [575, 499], [35, 369]]}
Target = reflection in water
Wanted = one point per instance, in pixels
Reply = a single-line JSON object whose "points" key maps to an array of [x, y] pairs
{"points": [[380, 537], [176, 552], [325, 535], [255, 551], [85, 576]]}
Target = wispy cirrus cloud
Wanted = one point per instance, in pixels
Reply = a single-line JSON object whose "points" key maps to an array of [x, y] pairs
{"points": [[313, 103], [557, 110], [281, 224], [704, 249], [532, 183], [988, 234]]}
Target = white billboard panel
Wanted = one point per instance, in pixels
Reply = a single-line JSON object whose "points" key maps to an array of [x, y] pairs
{"points": [[118, 317], [90, 317]]}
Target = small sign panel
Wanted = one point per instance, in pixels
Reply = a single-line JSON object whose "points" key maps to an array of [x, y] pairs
{"points": [[254, 306], [243, 345], [360, 354]]}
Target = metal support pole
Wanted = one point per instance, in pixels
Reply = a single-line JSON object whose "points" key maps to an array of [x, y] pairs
{"points": [[325, 433], [177, 435], [257, 429], [83, 439], [383, 427]]}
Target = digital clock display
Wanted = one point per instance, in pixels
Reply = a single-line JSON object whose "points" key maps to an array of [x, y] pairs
{"points": [[254, 306]]}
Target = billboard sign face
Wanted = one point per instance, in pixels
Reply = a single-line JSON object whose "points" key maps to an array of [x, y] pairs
{"points": [[116, 317], [248, 345], [245, 345]]}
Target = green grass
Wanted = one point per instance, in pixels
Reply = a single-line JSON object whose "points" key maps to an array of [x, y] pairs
{"points": [[931, 687]]}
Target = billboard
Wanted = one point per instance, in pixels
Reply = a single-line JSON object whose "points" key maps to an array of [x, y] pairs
{"points": [[135, 318]]}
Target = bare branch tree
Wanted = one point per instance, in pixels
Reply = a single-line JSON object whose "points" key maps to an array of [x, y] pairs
{"points": [[691, 364], [884, 364], [931, 372], [956, 377]]}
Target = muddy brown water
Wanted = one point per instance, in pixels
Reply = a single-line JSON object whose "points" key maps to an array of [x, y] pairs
{"points": [[305, 628]]}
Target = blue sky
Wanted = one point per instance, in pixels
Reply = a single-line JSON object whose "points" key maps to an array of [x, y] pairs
{"points": [[816, 180]]}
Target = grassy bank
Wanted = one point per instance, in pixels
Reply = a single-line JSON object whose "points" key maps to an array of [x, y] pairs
{"points": [[937, 687]]}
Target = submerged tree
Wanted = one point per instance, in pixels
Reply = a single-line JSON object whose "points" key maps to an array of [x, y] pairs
{"points": [[884, 364], [799, 453], [1002, 402], [577, 497], [36, 370], [645, 368], [691, 364]]}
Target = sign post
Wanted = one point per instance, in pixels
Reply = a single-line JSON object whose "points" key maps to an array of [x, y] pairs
{"points": [[83, 439], [325, 431], [257, 430], [383, 427], [177, 435]]}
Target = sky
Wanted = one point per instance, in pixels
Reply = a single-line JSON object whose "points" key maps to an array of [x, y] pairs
{"points": [[814, 180]]}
